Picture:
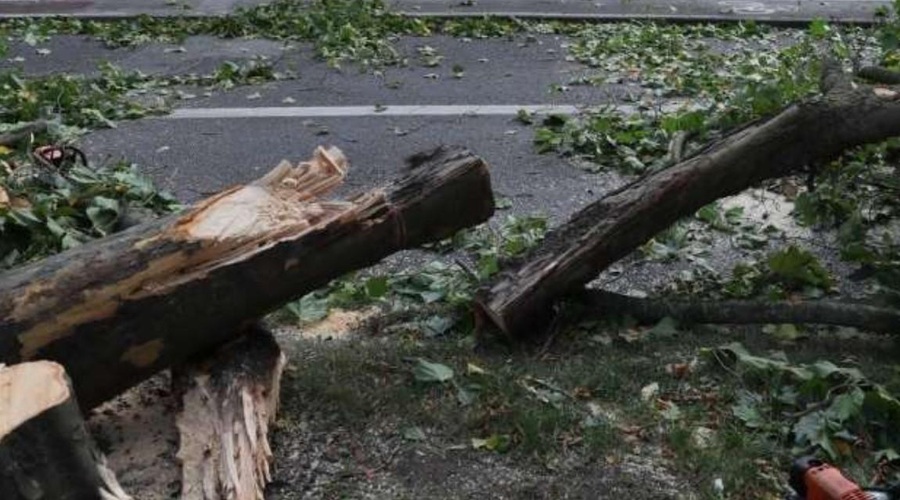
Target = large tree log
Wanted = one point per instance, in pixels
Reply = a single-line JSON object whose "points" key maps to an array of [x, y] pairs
{"points": [[519, 301], [119, 309], [228, 402], [45, 450]]}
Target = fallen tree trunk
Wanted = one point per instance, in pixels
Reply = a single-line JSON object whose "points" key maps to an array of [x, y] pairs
{"points": [[745, 312], [117, 310], [228, 401], [519, 300], [45, 449]]}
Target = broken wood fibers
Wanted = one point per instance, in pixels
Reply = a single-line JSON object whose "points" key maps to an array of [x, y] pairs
{"points": [[117, 310], [228, 401]]}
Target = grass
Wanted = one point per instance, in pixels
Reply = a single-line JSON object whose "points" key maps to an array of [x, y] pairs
{"points": [[576, 399]]}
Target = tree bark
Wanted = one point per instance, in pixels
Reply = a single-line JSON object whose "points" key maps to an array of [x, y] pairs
{"points": [[45, 450], [745, 312], [519, 300], [117, 310], [878, 74], [228, 402]]}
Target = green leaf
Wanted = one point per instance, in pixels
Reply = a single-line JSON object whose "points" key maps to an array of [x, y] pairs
{"points": [[785, 332], [436, 326], [798, 268], [846, 406], [103, 214], [671, 413], [747, 409], [309, 309], [426, 371], [819, 28], [377, 287], [414, 433], [464, 396], [812, 430], [886, 455], [666, 327], [495, 442]]}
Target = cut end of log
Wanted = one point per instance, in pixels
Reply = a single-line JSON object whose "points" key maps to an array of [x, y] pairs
{"points": [[29, 389], [45, 449]]}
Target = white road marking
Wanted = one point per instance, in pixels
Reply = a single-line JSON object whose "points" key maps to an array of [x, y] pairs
{"points": [[347, 111], [399, 110]]}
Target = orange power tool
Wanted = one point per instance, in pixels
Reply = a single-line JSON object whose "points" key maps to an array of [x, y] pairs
{"points": [[813, 479]]}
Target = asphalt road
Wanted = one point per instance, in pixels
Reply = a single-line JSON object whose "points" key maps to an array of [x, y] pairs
{"points": [[784, 10], [193, 157]]}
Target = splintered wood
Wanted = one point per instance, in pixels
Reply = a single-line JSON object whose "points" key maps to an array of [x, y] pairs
{"points": [[117, 310], [282, 202], [228, 402]]}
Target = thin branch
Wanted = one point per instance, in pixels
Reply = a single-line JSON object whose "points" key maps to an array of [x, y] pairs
{"points": [[862, 316], [878, 74]]}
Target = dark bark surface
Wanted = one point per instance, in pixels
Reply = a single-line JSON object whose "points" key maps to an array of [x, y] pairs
{"points": [[520, 300], [117, 310], [45, 450], [862, 316]]}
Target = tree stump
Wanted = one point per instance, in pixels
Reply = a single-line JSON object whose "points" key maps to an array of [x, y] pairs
{"points": [[45, 450]]}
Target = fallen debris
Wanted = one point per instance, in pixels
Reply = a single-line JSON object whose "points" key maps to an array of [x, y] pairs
{"points": [[520, 300], [119, 309]]}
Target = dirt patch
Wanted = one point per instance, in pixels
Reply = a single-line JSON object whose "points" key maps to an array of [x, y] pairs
{"points": [[137, 433], [337, 325], [316, 462]]}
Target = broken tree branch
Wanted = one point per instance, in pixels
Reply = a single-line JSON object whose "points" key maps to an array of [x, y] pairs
{"points": [[519, 300], [45, 449], [745, 312], [228, 403], [877, 74], [117, 310]]}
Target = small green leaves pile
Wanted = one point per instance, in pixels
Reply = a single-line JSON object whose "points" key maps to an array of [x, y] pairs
{"points": [[722, 76], [437, 286], [45, 211], [818, 407], [342, 30]]}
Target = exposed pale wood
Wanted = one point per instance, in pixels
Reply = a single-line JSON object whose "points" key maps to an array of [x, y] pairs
{"points": [[117, 310], [229, 401], [519, 301], [45, 450]]}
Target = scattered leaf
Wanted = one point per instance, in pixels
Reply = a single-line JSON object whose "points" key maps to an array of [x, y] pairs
{"points": [[414, 433], [426, 371], [495, 442], [649, 392]]}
